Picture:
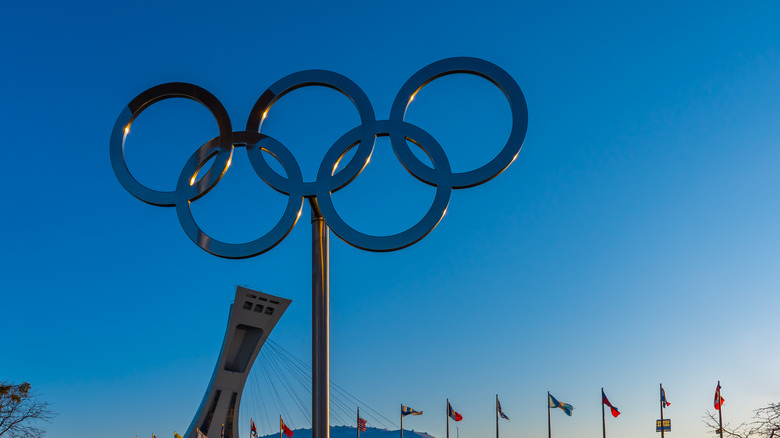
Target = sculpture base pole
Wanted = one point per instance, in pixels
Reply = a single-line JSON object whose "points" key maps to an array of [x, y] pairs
{"points": [[320, 328]]}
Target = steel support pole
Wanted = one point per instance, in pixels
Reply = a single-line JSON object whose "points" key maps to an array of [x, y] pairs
{"points": [[549, 429], [720, 412], [448, 418], [496, 415], [402, 420], [320, 326], [660, 392], [603, 417]]}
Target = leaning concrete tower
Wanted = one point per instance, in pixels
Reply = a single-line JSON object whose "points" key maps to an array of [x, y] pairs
{"points": [[252, 317]]}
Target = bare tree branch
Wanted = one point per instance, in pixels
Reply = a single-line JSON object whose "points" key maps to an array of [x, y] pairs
{"points": [[20, 411], [739, 431], [765, 423]]}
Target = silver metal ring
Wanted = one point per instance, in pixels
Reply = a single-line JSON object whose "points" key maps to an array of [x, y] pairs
{"points": [[251, 141], [478, 67], [223, 146], [189, 188], [328, 79], [441, 178]]}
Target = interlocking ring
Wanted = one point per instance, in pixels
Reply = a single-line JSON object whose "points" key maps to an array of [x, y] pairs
{"points": [[329, 180]]}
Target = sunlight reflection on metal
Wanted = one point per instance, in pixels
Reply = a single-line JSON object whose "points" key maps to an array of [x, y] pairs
{"points": [[331, 176]]}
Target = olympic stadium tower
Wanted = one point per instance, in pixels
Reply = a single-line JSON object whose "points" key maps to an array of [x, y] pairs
{"points": [[253, 315]]}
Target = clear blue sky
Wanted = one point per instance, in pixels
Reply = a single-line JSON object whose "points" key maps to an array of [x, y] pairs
{"points": [[634, 241]]}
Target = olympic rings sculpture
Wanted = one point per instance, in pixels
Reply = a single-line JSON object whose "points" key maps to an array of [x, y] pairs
{"points": [[189, 187]]}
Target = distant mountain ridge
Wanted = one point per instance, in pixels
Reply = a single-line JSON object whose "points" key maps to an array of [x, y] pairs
{"points": [[351, 432]]}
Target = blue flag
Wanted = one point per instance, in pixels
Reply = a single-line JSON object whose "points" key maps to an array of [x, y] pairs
{"points": [[406, 410], [553, 403], [500, 411], [664, 403]]}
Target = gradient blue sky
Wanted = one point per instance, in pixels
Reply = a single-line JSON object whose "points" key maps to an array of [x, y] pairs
{"points": [[634, 241]]}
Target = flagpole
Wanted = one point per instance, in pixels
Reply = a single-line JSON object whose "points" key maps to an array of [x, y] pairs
{"points": [[603, 418], [720, 411], [280, 426], [402, 420], [448, 418], [497, 416], [358, 422], [660, 394], [549, 431]]}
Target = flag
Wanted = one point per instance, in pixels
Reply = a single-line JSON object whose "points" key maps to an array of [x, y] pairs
{"points": [[451, 412], [718, 399], [553, 403], [286, 430], [406, 410], [153, 436], [500, 412], [605, 401], [176, 435], [361, 424], [253, 429], [664, 403], [199, 434]]}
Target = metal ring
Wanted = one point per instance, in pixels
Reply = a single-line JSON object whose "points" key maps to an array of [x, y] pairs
{"points": [[293, 183], [250, 140], [440, 178], [329, 180], [139, 104], [478, 67], [328, 79]]}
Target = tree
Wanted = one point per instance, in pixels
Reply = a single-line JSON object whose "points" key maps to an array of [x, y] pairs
{"points": [[21, 411], [764, 424]]}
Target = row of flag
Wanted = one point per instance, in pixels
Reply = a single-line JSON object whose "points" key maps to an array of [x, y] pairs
{"points": [[567, 408], [552, 402]]}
